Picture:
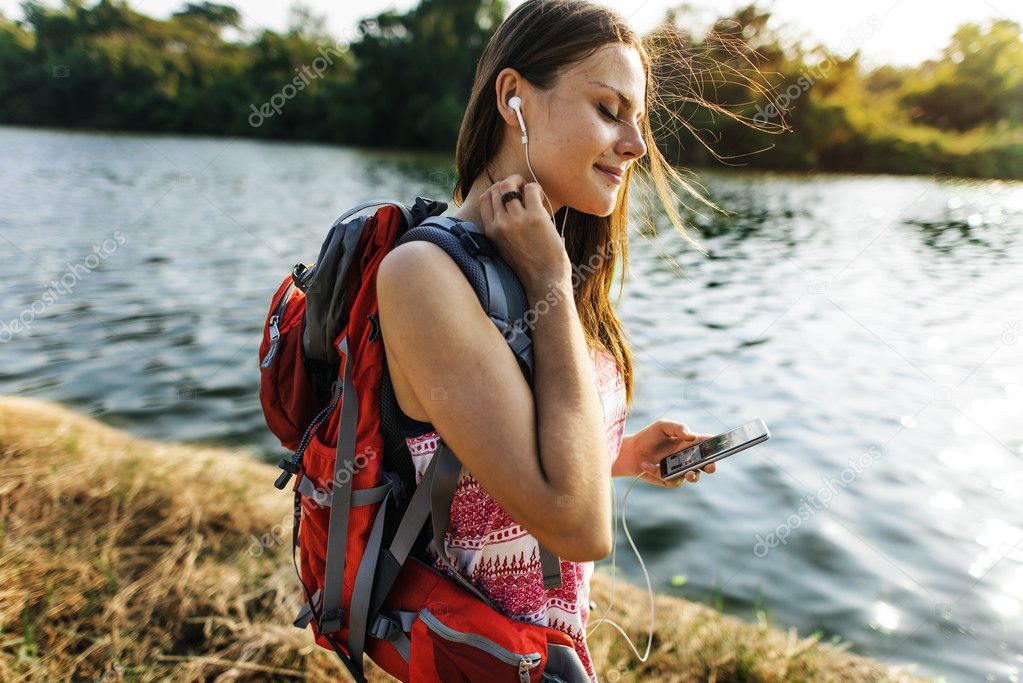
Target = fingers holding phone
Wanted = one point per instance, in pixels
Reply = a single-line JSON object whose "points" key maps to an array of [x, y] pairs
{"points": [[701, 456], [651, 475]]}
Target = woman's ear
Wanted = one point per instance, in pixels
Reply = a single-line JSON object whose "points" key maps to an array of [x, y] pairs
{"points": [[508, 84]]}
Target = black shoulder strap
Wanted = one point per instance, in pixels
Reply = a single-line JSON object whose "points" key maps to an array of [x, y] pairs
{"points": [[497, 287]]}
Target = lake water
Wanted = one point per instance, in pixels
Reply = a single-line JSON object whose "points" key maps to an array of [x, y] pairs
{"points": [[874, 322]]}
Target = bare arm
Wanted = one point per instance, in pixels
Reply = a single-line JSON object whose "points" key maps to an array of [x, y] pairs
{"points": [[573, 436], [544, 460]]}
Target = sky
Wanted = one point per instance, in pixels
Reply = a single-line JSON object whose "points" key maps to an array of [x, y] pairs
{"points": [[899, 32]]}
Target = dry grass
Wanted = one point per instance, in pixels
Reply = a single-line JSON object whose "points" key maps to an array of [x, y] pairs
{"points": [[125, 559]]}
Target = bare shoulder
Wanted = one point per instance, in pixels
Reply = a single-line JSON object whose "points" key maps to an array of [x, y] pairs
{"points": [[452, 367], [419, 289], [421, 279], [417, 259]]}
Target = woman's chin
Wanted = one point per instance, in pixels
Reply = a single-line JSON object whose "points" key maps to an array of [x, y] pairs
{"points": [[607, 208], [601, 206]]}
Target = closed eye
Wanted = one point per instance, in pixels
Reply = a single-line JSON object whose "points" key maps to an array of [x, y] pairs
{"points": [[608, 114]]}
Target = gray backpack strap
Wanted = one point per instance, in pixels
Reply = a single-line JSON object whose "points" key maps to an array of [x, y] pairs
{"points": [[412, 522], [341, 499], [496, 285], [432, 497], [445, 479], [437, 484], [444, 484], [563, 665], [375, 202], [359, 497], [359, 618]]}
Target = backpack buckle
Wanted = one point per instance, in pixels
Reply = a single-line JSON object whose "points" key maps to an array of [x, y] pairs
{"points": [[425, 208], [330, 621], [301, 274], [290, 469], [385, 627], [474, 242]]}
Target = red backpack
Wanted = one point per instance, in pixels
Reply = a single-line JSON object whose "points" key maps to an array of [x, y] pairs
{"points": [[360, 518]]}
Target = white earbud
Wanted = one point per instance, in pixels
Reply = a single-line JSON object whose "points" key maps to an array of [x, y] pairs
{"points": [[516, 104]]}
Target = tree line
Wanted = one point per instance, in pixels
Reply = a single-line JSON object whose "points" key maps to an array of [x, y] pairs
{"points": [[737, 94]]}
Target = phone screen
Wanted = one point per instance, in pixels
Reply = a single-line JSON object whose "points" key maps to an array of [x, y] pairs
{"points": [[714, 448], [722, 441]]}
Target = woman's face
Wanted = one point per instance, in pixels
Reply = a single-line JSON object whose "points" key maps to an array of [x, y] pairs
{"points": [[582, 123]]}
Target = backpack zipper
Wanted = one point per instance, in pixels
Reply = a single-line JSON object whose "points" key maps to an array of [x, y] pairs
{"points": [[294, 466], [525, 662], [275, 337], [314, 425], [275, 331]]}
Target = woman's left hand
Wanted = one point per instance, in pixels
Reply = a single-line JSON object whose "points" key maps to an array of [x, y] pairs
{"points": [[642, 452]]}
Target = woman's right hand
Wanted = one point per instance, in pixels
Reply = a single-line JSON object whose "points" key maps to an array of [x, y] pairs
{"points": [[525, 235]]}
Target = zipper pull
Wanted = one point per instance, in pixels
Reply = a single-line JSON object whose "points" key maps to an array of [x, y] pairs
{"points": [[524, 666], [275, 337]]}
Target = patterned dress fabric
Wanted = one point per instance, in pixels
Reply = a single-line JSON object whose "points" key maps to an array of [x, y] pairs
{"points": [[501, 558]]}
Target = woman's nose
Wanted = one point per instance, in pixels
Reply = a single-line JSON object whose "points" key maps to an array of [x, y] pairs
{"points": [[631, 143]]}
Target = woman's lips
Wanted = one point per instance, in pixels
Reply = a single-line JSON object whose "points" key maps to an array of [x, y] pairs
{"points": [[616, 179]]}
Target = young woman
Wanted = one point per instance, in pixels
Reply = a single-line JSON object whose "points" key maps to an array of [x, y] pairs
{"points": [[537, 464]]}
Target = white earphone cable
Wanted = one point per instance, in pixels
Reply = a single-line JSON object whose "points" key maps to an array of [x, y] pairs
{"points": [[614, 573], [549, 205], [516, 103]]}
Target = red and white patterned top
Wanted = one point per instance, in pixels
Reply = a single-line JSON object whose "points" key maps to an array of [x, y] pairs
{"points": [[501, 558]]}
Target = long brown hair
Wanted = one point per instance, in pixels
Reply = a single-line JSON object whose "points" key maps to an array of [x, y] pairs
{"points": [[538, 39]]}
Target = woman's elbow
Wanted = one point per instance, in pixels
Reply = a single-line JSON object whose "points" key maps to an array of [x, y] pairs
{"points": [[591, 543]]}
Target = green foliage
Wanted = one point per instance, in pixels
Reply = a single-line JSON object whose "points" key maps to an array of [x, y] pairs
{"points": [[109, 67], [978, 80], [961, 114], [739, 95], [212, 14], [414, 71]]}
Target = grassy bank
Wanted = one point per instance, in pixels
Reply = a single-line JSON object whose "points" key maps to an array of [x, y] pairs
{"points": [[125, 559]]}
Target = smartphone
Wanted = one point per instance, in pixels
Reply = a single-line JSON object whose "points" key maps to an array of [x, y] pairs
{"points": [[715, 448]]}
